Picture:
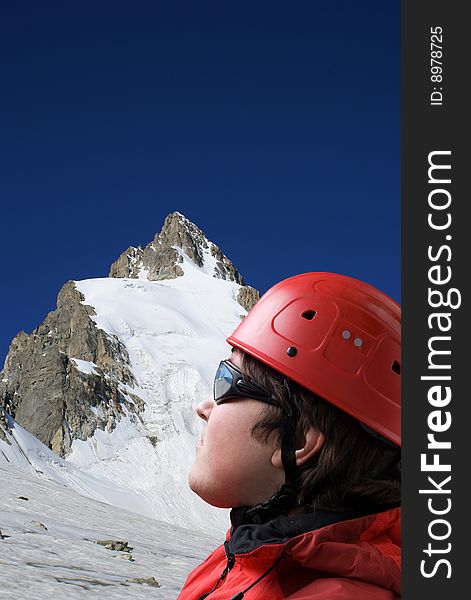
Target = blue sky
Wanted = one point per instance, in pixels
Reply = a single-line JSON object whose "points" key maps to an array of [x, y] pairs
{"points": [[274, 126]]}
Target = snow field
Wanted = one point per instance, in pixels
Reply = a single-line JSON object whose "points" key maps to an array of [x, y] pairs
{"points": [[48, 547]]}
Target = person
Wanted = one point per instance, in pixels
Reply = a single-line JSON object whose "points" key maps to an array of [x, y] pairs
{"points": [[302, 442]]}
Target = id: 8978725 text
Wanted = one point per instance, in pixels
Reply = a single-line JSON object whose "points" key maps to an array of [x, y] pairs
{"points": [[436, 66]]}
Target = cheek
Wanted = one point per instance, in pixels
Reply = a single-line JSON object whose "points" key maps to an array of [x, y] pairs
{"points": [[231, 454], [228, 427], [221, 445]]}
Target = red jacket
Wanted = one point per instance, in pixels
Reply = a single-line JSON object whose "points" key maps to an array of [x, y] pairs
{"points": [[317, 556]]}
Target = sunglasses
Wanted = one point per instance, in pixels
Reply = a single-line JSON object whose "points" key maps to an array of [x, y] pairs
{"points": [[230, 384]]}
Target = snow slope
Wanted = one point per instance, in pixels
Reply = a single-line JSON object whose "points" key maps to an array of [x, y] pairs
{"points": [[48, 547], [25, 451]]}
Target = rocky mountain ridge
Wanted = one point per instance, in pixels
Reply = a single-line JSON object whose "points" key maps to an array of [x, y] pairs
{"points": [[43, 388]]}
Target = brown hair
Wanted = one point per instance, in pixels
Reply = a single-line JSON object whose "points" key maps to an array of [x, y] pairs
{"points": [[351, 469]]}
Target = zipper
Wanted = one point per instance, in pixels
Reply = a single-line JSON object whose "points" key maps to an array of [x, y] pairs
{"points": [[229, 555], [230, 563]]}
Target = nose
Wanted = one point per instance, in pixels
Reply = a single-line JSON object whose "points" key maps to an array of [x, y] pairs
{"points": [[203, 410]]}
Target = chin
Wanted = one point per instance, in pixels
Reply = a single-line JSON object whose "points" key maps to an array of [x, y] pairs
{"points": [[210, 493]]}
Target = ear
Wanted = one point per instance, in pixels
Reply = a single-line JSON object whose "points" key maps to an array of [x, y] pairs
{"points": [[311, 444]]}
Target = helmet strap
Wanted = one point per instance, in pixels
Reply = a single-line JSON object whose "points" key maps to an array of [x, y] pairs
{"points": [[288, 439], [281, 502], [385, 472], [288, 456]]}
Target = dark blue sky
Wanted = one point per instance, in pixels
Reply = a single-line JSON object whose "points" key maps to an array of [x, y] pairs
{"points": [[274, 126]]}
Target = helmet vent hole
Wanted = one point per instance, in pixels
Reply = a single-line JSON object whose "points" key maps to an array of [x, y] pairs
{"points": [[309, 314], [396, 367]]}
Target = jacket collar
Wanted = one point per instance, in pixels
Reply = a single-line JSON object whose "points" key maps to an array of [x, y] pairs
{"points": [[246, 537]]}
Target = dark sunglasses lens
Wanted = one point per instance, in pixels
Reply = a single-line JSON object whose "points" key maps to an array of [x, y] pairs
{"points": [[222, 381]]}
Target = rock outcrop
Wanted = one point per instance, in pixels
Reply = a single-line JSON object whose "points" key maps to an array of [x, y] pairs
{"points": [[161, 260], [3, 426], [247, 297], [67, 377]]}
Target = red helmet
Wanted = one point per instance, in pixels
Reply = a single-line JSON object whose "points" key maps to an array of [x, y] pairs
{"points": [[336, 336]]}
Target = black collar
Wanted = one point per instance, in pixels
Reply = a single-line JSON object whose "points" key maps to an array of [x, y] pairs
{"points": [[247, 536]]}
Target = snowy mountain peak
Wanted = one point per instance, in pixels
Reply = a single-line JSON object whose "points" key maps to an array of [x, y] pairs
{"points": [[164, 257]]}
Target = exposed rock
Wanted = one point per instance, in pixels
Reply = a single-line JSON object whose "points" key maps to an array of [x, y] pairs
{"points": [[43, 388], [125, 556], [116, 545], [179, 231], [39, 524], [160, 260], [248, 297], [224, 268], [129, 262], [23, 498], [153, 439], [4, 426], [152, 581]]}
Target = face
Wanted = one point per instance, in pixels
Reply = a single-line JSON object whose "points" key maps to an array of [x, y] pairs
{"points": [[231, 467]]}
